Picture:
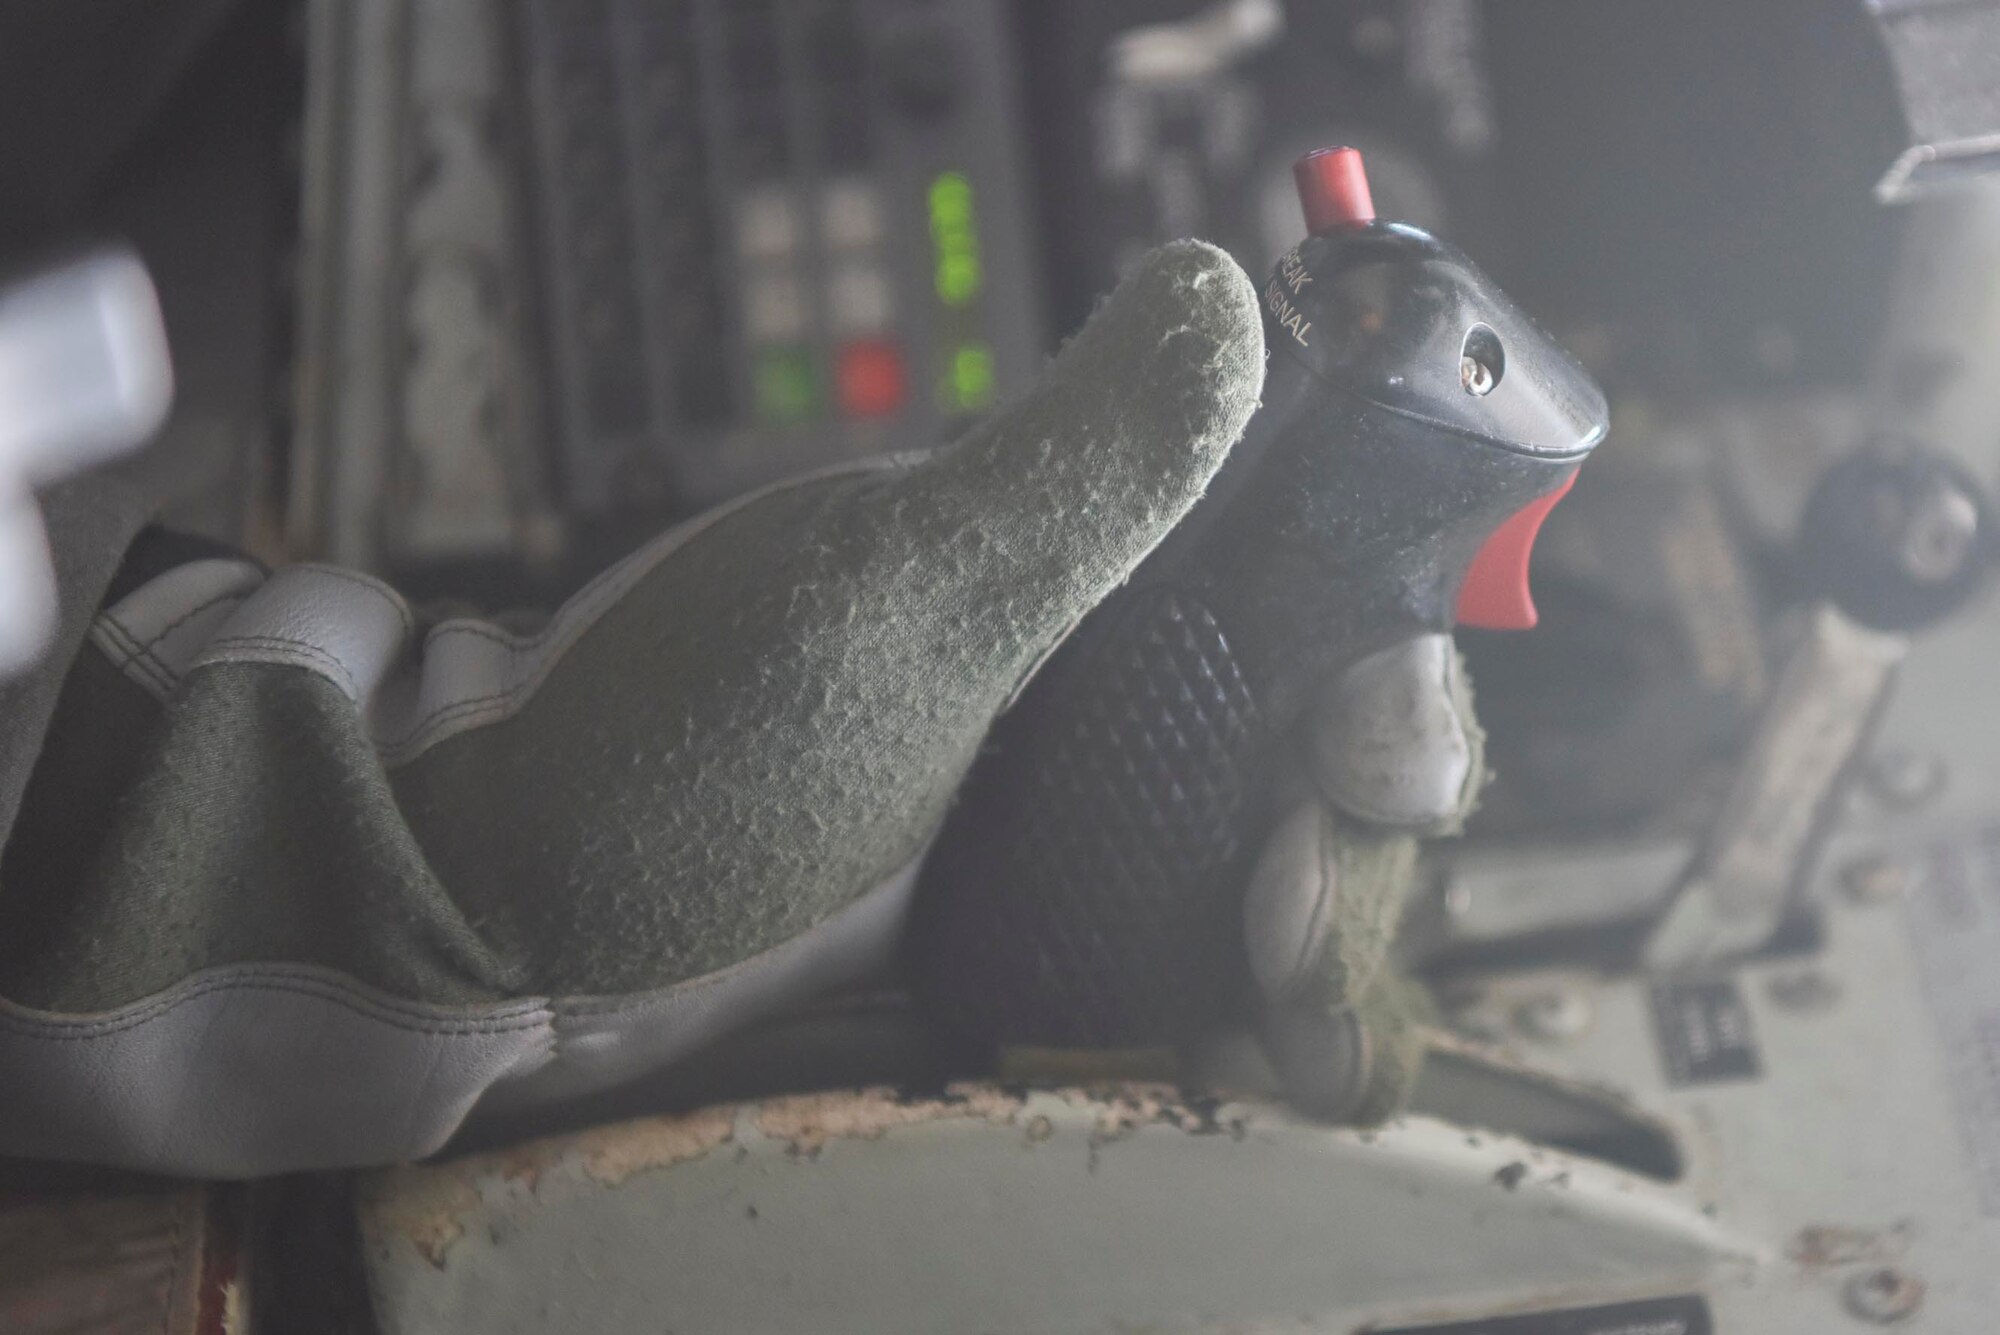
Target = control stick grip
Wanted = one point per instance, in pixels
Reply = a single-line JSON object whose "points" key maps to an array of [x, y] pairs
{"points": [[1087, 888]]}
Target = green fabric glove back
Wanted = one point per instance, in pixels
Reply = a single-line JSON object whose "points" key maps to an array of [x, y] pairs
{"points": [[803, 686], [769, 720]]}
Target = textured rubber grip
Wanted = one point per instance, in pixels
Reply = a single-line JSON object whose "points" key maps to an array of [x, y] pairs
{"points": [[1089, 886], [1087, 889]]}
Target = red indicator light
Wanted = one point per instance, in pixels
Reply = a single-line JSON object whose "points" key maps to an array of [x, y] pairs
{"points": [[872, 379], [1333, 187]]}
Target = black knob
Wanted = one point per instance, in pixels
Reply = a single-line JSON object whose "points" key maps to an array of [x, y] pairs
{"points": [[1898, 538]]}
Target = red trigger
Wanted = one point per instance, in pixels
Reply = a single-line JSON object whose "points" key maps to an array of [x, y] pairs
{"points": [[1495, 593]]}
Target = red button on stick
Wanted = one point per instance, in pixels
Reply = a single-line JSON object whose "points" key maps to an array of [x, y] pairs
{"points": [[871, 378], [1495, 594], [1333, 187]]}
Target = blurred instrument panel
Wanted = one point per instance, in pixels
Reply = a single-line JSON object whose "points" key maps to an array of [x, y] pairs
{"points": [[765, 229], [644, 255], [572, 269], [652, 253]]}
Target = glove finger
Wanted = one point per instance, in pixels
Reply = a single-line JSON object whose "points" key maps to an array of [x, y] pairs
{"points": [[1288, 907], [1320, 913], [1351, 1063], [1322, 907], [1393, 739], [1026, 523]]}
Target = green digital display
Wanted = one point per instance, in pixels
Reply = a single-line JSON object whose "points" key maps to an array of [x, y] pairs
{"points": [[955, 235]]}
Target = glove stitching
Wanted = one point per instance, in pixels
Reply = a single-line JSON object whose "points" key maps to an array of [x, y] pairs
{"points": [[189, 615], [309, 651], [388, 1010], [131, 659]]}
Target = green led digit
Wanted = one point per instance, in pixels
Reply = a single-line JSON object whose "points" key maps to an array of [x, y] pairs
{"points": [[968, 382], [958, 279], [951, 201], [955, 234]]}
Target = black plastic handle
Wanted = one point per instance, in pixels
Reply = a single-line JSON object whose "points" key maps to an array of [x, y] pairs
{"points": [[1087, 888]]}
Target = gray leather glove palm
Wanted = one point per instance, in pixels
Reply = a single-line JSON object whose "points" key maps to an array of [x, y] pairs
{"points": [[299, 878], [1391, 752]]}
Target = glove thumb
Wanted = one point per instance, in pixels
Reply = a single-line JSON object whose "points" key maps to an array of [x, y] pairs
{"points": [[1029, 521]]}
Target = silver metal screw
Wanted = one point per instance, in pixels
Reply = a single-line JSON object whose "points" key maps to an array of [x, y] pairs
{"points": [[1559, 1015], [1939, 536], [1904, 780], [1876, 880], [1475, 375], [1884, 1295]]}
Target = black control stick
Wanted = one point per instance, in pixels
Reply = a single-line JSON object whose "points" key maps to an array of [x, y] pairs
{"points": [[1415, 429]]}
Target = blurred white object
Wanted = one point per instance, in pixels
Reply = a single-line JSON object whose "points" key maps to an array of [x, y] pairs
{"points": [[1196, 48], [84, 376]]}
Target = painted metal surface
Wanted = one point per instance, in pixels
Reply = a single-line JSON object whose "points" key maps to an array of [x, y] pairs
{"points": [[1131, 1208], [1123, 1208]]}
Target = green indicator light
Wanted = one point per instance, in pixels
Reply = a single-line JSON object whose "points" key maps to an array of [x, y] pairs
{"points": [[968, 383], [956, 236], [951, 202], [958, 277], [787, 387]]}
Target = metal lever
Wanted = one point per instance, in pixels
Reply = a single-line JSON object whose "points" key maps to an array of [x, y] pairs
{"points": [[1897, 542]]}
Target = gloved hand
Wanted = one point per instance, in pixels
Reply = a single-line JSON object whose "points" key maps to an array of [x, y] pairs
{"points": [[300, 878], [1391, 751]]}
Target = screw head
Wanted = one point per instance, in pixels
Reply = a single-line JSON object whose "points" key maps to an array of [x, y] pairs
{"points": [[1898, 536], [1884, 1295], [1904, 780], [1941, 536], [1476, 376], [1556, 1016], [1876, 880]]}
